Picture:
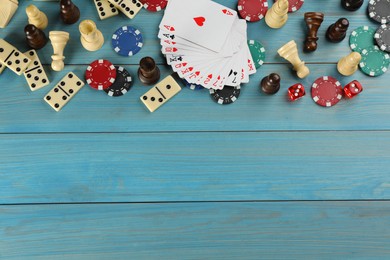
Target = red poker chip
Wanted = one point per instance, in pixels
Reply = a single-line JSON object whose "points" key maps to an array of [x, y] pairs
{"points": [[326, 91], [294, 5], [100, 74], [252, 10], [154, 5]]}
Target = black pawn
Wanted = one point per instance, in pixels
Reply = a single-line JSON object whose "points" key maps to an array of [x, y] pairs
{"points": [[337, 31], [270, 84], [70, 13], [351, 5], [35, 37], [148, 72]]}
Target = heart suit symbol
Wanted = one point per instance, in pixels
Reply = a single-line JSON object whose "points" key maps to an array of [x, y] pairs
{"points": [[200, 20]]}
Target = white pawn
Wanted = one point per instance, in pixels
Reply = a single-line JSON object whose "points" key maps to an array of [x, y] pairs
{"points": [[348, 65], [277, 16], [36, 17], [7, 10], [58, 41], [91, 38], [289, 51]]}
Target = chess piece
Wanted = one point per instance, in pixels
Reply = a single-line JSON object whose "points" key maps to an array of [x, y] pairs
{"points": [[313, 21], [35, 37], [349, 64], [289, 51], [148, 72], [351, 5], [337, 31], [70, 13], [91, 38], [8, 9], [277, 16], [36, 17], [58, 41], [270, 84]]}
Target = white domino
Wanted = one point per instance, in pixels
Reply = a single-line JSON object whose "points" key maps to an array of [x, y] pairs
{"points": [[129, 7], [161, 93], [35, 74], [13, 58], [105, 9], [65, 90]]}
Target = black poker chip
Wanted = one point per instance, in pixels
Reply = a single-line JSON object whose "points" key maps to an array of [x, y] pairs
{"points": [[379, 10], [382, 37], [225, 96], [122, 84]]}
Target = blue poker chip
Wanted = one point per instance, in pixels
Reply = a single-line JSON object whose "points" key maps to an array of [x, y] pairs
{"points": [[127, 41], [193, 86]]}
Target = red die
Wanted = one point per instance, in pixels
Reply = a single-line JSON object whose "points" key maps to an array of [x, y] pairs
{"points": [[352, 89], [296, 91]]}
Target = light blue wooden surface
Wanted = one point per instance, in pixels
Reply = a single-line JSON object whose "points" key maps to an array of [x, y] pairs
{"points": [[130, 169]]}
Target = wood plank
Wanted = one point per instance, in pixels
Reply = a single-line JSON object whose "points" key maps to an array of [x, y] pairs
{"points": [[148, 22], [287, 230], [23, 111], [107, 167]]}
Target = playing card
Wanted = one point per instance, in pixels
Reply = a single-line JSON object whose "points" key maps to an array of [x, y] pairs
{"points": [[202, 22]]}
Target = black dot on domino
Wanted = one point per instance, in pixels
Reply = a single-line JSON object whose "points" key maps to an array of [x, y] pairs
{"points": [[28, 75], [16, 53], [145, 98], [25, 60], [31, 53], [78, 83], [153, 99], [1, 49], [48, 97], [33, 85], [36, 78], [18, 69], [57, 105], [71, 91], [39, 71], [36, 63], [64, 97], [44, 80], [62, 83], [56, 90], [168, 87], [160, 100], [17, 61]]}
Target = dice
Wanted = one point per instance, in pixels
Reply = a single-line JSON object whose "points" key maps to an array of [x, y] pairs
{"points": [[352, 89], [296, 91]]}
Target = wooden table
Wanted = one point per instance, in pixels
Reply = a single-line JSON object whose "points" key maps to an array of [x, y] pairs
{"points": [[262, 178]]}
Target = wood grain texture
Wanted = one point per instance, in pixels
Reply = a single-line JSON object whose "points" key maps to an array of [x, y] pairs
{"points": [[316, 230], [142, 167]]}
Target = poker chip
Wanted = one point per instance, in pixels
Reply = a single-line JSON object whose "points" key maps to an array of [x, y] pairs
{"points": [[361, 38], [127, 41], [122, 84], [225, 96], [192, 86], [100, 74], [258, 52], [326, 91], [294, 5], [252, 10], [154, 5], [374, 62], [379, 10], [382, 37]]}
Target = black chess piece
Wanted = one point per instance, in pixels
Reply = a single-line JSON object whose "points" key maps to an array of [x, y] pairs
{"points": [[69, 12], [313, 21], [351, 5], [148, 72], [337, 31], [270, 84], [35, 37]]}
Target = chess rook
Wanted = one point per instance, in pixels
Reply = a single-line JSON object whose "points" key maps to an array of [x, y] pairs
{"points": [[58, 40], [270, 84], [148, 72], [277, 16], [348, 65], [351, 5], [91, 38], [7, 11], [69, 12], [337, 31], [313, 21], [290, 52], [35, 37], [36, 17]]}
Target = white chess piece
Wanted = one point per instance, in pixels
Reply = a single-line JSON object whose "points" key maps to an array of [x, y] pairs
{"points": [[277, 15], [58, 40], [7, 10], [91, 38], [36, 17], [289, 51], [348, 65]]}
